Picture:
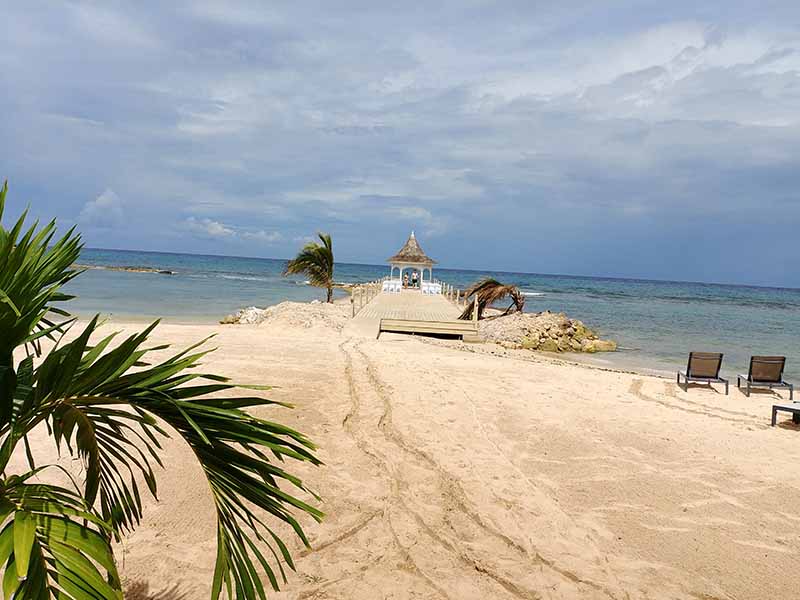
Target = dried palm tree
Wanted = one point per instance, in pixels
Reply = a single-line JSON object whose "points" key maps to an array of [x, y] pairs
{"points": [[489, 291], [316, 262]]}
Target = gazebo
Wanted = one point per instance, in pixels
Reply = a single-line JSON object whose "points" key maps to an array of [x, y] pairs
{"points": [[411, 256]]}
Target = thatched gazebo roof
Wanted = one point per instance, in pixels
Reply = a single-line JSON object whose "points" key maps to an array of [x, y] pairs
{"points": [[411, 254]]}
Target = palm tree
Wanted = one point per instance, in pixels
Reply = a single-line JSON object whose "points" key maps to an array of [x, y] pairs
{"points": [[488, 291], [110, 406], [316, 262]]}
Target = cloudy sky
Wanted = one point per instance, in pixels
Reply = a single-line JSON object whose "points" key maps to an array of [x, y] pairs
{"points": [[623, 138]]}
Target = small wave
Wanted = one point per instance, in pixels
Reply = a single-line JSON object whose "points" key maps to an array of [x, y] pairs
{"points": [[244, 278], [526, 293], [734, 301], [591, 293], [302, 283]]}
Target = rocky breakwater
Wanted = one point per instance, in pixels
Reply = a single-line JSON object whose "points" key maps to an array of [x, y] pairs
{"points": [[545, 331], [125, 269]]}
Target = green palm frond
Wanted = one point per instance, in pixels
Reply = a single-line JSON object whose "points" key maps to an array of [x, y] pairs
{"points": [[231, 445], [110, 403], [52, 545], [32, 271], [316, 262]]}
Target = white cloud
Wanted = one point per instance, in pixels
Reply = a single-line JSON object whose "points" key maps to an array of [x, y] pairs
{"points": [[409, 213], [418, 217], [110, 26], [208, 228], [105, 211], [268, 237], [246, 14]]}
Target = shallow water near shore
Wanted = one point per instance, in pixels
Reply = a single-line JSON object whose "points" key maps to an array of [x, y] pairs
{"points": [[656, 323]]}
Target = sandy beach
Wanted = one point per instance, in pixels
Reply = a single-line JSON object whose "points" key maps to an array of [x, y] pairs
{"points": [[478, 472]]}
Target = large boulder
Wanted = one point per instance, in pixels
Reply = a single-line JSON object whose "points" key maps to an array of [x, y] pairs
{"points": [[593, 346], [549, 345]]}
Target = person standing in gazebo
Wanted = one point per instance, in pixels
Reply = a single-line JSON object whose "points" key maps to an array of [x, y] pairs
{"points": [[414, 279]]}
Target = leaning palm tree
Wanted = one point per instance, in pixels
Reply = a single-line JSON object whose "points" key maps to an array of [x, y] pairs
{"points": [[110, 405], [316, 262], [489, 291]]}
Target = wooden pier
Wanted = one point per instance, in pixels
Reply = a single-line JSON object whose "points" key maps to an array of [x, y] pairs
{"points": [[413, 312], [409, 310]]}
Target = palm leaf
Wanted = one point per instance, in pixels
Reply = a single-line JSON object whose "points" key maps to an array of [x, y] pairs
{"points": [[32, 269], [117, 444], [488, 292], [52, 546], [110, 407]]}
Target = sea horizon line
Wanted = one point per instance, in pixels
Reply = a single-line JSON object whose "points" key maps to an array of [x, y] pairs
{"points": [[486, 270]]}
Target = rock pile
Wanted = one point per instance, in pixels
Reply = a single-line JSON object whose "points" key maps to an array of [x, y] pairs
{"points": [[125, 269], [293, 314], [546, 331]]}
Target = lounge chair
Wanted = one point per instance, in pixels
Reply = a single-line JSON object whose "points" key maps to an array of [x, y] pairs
{"points": [[703, 367], [793, 409], [765, 371]]}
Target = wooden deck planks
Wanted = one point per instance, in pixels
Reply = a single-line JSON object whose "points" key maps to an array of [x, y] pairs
{"points": [[413, 312], [409, 304]]}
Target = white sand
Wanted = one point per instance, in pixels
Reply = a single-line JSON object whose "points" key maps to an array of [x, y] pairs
{"points": [[462, 475]]}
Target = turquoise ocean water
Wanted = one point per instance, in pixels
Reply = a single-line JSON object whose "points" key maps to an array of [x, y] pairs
{"points": [[655, 322]]}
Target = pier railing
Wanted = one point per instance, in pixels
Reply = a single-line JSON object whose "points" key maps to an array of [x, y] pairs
{"points": [[363, 294], [459, 297], [453, 294]]}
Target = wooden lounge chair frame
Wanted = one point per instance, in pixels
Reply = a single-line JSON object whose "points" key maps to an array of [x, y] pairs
{"points": [[777, 382], [689, 376]]}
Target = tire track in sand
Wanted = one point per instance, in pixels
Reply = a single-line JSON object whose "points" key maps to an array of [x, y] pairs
{"points": [[452, 550], [636, 390], [669, 390], [349, 423], [454, 495], [537, 555]]}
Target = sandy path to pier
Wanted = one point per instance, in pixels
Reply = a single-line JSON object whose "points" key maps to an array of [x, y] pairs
{"points": [[461, 475]]}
